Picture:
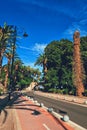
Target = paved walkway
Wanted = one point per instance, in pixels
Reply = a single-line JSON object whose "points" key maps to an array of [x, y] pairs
{"points": [[6, 115], [22, 114], [34, 117]]}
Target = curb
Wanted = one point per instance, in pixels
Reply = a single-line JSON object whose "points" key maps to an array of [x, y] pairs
{"points": [[73, 125]]}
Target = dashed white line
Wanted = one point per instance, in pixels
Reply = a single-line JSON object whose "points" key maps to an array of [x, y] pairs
{"points": [[47, 128]]}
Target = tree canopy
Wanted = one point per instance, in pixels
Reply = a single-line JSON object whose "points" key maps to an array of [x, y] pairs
{"points": [[59, 56]]}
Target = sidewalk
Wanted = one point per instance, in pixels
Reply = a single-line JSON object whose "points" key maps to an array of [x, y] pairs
{"points": [[6, 116], [20, 113]]}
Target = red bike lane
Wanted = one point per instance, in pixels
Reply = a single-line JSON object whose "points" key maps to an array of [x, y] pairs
{"points": [[33, 117]]}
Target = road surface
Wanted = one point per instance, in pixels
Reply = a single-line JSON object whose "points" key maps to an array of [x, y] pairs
{"points": [[76, 113]]}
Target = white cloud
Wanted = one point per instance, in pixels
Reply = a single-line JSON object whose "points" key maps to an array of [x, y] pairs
{"points": [[26, 48], [39, 48], [80, 26], [32, 54]]}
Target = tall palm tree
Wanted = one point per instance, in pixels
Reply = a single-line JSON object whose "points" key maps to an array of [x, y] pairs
{"points": [[6, 78], [5, 40], [7, 68], [9, 57], [17, 65], [35, 74], [77, 65]]}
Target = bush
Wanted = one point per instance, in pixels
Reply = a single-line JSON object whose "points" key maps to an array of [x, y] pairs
{"points": [[65, 91], [23, 84], [54, 90], [72, 92], [60, 91]]}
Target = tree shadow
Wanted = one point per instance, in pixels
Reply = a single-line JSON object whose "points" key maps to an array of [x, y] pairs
{"points": [[19, 102], [4, 102], [15, 103], [35, 112], [62, 112]]}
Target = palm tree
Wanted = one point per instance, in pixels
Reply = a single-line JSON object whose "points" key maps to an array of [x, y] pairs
{"points": [[5, 40], [42, 60], [35, 74], [7, 68], [6, 78], [9, 57], [78, 66], [17, 65]]}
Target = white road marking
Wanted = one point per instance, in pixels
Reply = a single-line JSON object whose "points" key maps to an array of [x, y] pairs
{"points": [[47, 128]]}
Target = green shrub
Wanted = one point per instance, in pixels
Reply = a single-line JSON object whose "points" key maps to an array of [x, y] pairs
{"points": [[54, 90], [65, 91], [73, 92], [60, 91], [23, 84]]}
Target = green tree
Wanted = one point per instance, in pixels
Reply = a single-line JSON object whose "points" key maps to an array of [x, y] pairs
{"points": [[59, 59], [83, 46], [51, 79], [6, 33], [42, 60]]}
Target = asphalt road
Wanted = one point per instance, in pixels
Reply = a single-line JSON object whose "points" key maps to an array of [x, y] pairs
{"points": [[76, 113]]}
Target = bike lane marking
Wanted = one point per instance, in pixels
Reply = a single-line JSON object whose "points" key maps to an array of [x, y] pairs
{"points": [[47, 128], [44, 116]]}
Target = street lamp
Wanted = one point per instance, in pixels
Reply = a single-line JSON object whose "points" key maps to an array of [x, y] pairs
{"points": [[25, 34]]}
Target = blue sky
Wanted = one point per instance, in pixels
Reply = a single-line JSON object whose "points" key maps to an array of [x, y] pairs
{"points": [[44, 21]]}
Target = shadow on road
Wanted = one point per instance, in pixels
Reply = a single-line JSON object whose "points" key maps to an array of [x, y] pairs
{"points": [[21, 104], [4, 103], [62, 112]]}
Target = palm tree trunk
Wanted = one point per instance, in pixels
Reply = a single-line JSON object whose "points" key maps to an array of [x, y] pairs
{"points": [[45, 65], [77, 66], [1, 57], [7, 73], [0, 66], [6, 80]]}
